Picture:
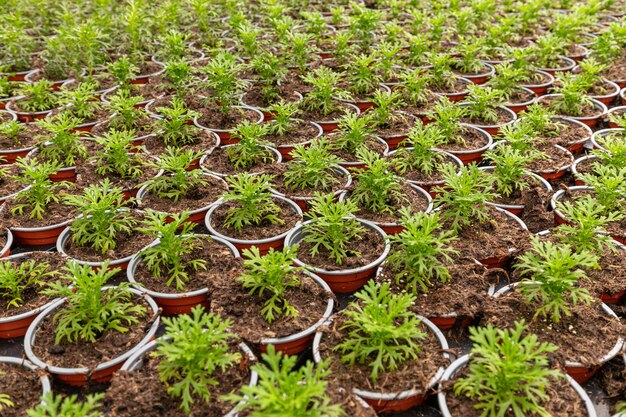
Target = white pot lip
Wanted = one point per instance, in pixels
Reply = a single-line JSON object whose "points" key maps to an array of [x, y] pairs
{"points": [[489, 73], [25, 363], [277, 155], [344, 172], [356, 163], [330, 305], [7, 246], [104, 97], [570, 157], [319, 134], [570, 65], [42, 228], [365, 394], [30, 338], [573, 364], [623, 93], [537, 177], [136, 259], [610, 95], [545, 84], [134, 362], [143, 191], [30, 74], [9, 112], [297, 231], [458, 93], [9, 106], [584, 158], [559, 193], [11, 151], [463, 361], [618, 108], [597, 104], [525, 103], [416, 188], [603, 132], [214, 232], [258, 112], [153, 74]]}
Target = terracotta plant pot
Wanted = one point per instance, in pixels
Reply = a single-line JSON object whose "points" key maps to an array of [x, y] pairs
{"points": [[278, 159], [135, 362], [27, 116], [622, 96], [575, 167], [299, 342], [396, 401], [80, 376], [619, 110], [285, 150], [195, 216], [10, 155], [495, 129], [39, 236], [226, 135], [590, 121], [365, 105], [460, 95], [473, 155], [105, 98], [610, 96], [576, 147], [347, 280], [44, 381], [176, 303], [568, 65], [462, 362], [17, 76], [264, 245], [16, 326], [517, 209], [32, 77], [576, 370], [143, 79], [481, 78], [541, 89], [502, 262], [520, 107], [353, 166], [304, 202]]}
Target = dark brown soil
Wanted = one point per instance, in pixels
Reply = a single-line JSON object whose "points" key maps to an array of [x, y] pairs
{"points": [[278, 183], [212, 117], [318, 116], [5, 117], [31, 298], [23, 388], [555, 160], [148, 67], [141, 393], [577, 336], [419, 111], [422, 178], [568, 134], [364, 249], [29, 137], [520, 96], [231, 300], [196, 198], [610, 278], [302, 132], [108, 346], [464, 294], [485, 70], [412, 374], [203, 141], [146, 125], [588, 111], [616, 228], [499, 237], [473, 140], [616, 70], [458, 87], [8, 184], [55, 213], [254, 97], [349, 403], [87, 176], [503, 118], [399, 124], [219, 162], [563, 401], [127, 244], [371, 143], [220, 262], [414, 199], [263, 231]]}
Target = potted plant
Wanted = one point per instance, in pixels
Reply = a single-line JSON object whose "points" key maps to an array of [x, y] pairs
{"points": [[35, 101], [285, 131], [463, 200], [313, 169], [442, 80], [310, 386], [249, 215], [418, 99], [466, 142], [81, 102], [509, 370], [21, 278], [550, 290], [597, 87], [344, 251], [469, 66], [127, 114], [38, 214], [191, 369], [250, 153], [22, 386], [104, 230], [81, 324], [390, 124], [376, 340], [486, 110], [273, 302], [178, 269], [180, 186], [507, 80], [380, 194]]}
